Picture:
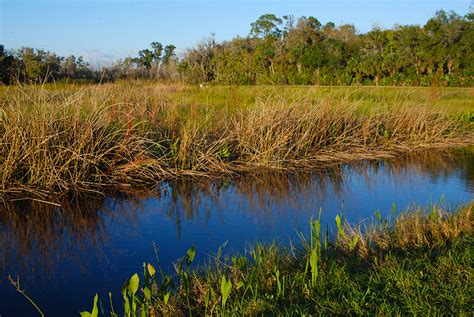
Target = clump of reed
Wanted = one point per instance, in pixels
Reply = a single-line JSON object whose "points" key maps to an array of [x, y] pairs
{"points": [[53, 147], [128, 134], [420, 264], [409, 231]]}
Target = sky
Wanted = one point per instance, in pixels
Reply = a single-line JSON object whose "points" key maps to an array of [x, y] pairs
{"points": [[104, 30]]}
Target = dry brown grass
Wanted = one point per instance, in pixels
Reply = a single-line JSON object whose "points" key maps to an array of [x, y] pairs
{"points": [[89, 139], [417, 229]]}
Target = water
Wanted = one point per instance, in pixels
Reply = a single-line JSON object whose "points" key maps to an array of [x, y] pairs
{"points": [[65, 255]]}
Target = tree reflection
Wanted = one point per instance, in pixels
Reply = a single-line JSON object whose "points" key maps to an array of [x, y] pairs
{"points": [[35, 236]]}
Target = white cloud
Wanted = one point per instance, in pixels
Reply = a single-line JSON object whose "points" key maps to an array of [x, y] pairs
{"points": [[99, 58]]}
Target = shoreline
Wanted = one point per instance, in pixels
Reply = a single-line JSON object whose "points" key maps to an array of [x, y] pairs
{"points": [[232, 170], [417, 263]]}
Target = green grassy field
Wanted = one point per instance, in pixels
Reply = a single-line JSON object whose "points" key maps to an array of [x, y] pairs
{"points": [[60, 138], [420, 263]]}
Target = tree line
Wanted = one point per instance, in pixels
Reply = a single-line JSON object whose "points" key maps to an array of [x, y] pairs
{"points": [[284, 50], [29, 65]]}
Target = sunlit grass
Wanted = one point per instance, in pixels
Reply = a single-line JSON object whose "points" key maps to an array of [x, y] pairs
{"points": [[58, 138], [418, 264]]}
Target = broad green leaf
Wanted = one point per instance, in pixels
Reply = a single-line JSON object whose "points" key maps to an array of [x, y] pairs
{"points": [[226, 287], [95, 310], [338, 221], [151, 269], [340, 230], [147, 293], [317, 227], [166, 298], [134, 282], [190, 255]]}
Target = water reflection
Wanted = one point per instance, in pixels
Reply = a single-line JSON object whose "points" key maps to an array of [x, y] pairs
{"points": [[272, 189], [94, 243]]}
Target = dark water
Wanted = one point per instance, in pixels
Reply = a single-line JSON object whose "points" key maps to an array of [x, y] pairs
{"points": [[65, 255]]}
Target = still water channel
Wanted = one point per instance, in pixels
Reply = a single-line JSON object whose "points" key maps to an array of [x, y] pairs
{"points": [[64, 255]]}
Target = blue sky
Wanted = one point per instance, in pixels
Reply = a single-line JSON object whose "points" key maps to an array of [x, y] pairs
{"points": [[102, 30]]}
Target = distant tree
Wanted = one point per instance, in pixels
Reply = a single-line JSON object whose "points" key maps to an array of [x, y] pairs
{"points": [[157, 51], [69, 66], [31, 64], [145, 58], [169, 53], [266, 25], [9, 67], [199, 63], [330, 25]]}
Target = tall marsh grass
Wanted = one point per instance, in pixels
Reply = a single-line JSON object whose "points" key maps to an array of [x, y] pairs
{"points": [[60, 139]]}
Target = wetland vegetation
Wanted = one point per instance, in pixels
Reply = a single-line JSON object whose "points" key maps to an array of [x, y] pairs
{"points": [[419, 263], [96, 163], [57, 139], [284, 50], [103, 240]]}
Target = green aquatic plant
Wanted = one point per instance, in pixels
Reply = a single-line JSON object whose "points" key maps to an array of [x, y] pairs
{"points": [[226, 287], [420, 263], [129, 293], [340, 228], [95, 309], [16, 285]]}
